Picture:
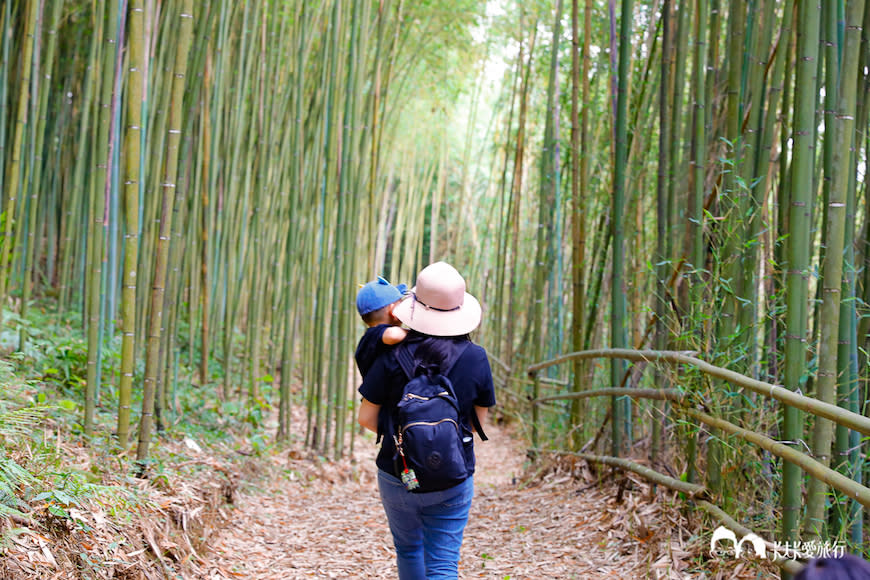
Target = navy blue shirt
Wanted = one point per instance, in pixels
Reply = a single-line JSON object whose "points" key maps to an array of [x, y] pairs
{"points": [[385, 381], [371, 344]]}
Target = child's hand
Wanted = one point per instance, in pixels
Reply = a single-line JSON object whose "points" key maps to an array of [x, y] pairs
{"points": [[394, 335]]}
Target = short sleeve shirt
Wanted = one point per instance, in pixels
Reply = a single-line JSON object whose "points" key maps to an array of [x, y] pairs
{"points": [[371, 344], [383, 385]]}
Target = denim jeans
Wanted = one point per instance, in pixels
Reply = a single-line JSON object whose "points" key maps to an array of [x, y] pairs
{"points": [[427, 527]]}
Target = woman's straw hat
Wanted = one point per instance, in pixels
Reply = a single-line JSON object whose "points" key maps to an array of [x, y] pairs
{"points": [[438, 304]]}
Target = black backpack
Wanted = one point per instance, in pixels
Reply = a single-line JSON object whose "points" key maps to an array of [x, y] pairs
{"points": [[431, 440]]}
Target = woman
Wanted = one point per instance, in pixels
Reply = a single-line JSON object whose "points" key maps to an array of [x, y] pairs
{"points": [[427, 527]]}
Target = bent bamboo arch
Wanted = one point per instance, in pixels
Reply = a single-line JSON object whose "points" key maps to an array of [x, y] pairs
{"points": [[828, 411]]}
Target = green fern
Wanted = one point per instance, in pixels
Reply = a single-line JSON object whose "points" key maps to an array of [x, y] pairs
{"points": [[8, 499], [13, 478], [21, 422]]}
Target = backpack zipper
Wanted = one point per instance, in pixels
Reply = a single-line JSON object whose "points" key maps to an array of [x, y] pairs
{"points": [[421, 398], [430, 423]]}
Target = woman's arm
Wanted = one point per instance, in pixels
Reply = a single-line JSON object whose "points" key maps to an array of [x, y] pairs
{"points": [[481, 413], [368, 415]]}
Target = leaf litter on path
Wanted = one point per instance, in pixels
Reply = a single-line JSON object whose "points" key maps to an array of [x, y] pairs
{"points": [[324, 520]]}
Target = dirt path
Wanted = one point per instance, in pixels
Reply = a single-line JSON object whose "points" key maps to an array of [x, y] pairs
{"points": [[323, 520]]}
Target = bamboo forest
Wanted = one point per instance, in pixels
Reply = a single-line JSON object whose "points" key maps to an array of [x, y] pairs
{"points": [[661, 205]]}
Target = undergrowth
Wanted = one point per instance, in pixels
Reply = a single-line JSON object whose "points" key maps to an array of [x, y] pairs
{"points": [[83, 493]]}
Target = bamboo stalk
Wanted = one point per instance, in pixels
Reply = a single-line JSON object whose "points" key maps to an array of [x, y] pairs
{"points": [[814, 468], [657, 394], [38, 167], [14, 168], [618, 315], [781, 394], [798, 262], [832, 281], [132, 180], [162, 253], [100, 190], [690, 489]]}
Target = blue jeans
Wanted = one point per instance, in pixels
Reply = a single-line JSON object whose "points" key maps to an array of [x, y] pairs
{"points": [[427, 527]]}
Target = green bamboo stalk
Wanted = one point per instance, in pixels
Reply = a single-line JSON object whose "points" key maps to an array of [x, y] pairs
{"points": [[14, 168], [205, 227], [814, 468], [662, 225], [849, 443], [655, 394], [800, 219], [297, 176], [760, 33], [699, 151], [843, 129], [690, 489], [547, 197], [777, 327], [829, 55], [516, 195], [169, 183], [683, 12], [579, 183], [100, 187], [36, 170], [6, 32], [782, 394], [775, 89], [618, 322], [733, 198]]}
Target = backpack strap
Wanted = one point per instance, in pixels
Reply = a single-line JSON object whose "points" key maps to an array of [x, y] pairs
{"points": [[406, 361], [475, 422]]}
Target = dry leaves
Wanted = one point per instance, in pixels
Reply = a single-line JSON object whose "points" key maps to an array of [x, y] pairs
{"points": [[316, 519], [326, 521], [160, 531]]}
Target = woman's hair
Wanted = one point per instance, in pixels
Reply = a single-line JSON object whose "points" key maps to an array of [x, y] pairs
{"points": [[431, 356], [848, 567]]}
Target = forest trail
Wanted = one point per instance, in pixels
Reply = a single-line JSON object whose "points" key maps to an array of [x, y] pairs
{"points": [[324, 520]]}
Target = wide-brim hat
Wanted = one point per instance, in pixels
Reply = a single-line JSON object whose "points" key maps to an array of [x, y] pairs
{"points": [[438, 304]]}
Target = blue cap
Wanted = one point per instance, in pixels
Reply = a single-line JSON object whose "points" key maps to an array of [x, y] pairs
{"points": [[377, 294]]}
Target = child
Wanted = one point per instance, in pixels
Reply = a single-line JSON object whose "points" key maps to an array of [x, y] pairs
{"points": [[375, 302]]}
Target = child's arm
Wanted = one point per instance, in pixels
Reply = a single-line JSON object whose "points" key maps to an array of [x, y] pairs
{"points": [[394, 335]]}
